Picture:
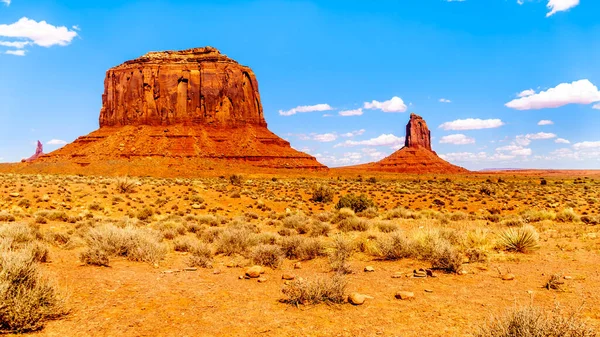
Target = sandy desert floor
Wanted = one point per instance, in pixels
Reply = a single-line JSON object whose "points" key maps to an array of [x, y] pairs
{"points": [[198, 236]]}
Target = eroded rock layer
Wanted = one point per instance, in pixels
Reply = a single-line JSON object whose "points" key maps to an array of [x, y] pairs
{"points": [[174, 113]]}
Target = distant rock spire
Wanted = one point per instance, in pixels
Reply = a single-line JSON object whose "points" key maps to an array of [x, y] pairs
{"points": [[417, 133], [39, 151]]}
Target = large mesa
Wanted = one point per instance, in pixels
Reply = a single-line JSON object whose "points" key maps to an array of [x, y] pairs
{"points": [[178, 113]]}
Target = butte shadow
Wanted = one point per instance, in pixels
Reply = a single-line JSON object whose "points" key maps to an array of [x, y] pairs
{"points": [[177, 113]]}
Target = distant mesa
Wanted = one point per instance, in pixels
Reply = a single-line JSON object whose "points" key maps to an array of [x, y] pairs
{"points": [[416, 156], [173, 113], [39, 151]]}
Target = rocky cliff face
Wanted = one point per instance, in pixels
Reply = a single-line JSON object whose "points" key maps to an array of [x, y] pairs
{"points": [[177, 113], [194, 86], [417, 133]]}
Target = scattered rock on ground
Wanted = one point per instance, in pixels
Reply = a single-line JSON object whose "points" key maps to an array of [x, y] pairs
{"points": [[369, 269], [508, 277], [288, 276], [405, 295], [254, 271]]}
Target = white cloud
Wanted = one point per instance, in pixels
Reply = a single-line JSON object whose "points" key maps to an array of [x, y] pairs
{"points": [[556, 6], [472, 124], [7, 2], [56, 142], [382, 140], [526, 93], [596, 106], [15, 44], [38, 33], [578, 92], [545, 122], [325, 138], [457, 139], [306, 108], [586, 145], [353, 133], [19, 52], [356, 112], [443, 100], [562, 141], [514, 150], [348, 158], [396, 104], [524, 140]]}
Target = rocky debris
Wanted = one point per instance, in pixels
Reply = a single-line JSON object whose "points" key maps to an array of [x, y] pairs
{"points": [[416, 156], [417, 133], [397, 275], [369, 269], [14, 195], [171, 271], [428, 290], [288, 276], [190, 269], [297, 265], [262, 279], [423, 273], [405, 295], [508, 277], [45, 198], [358, 299], [39, 151], [254, 272], [196, 206]]}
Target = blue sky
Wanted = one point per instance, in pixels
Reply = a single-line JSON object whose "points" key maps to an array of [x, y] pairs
{"points": [[352, 70]]}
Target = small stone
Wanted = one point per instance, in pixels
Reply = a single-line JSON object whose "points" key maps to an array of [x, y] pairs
{"points": [[397, 275], [430, 273], [369, 269], [14, 195], [463, 272], [262, 279], [288, 276], [170, 271], [419, 273], [483, 268], [356, 299], [297, 265], [508, 277], [46, 198], [241, 277], [216, 271], [196, 206], [230, 264], [254, 271], [405, 295], [190, 269], [568, 277], [428, 290]]}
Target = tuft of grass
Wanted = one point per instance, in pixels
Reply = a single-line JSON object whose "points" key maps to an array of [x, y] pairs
{"points": [[356, 203], [522, 240], [235, 241], [340, 254], [353, 224], [394, 247], [201, 256], [267, 255], [322, 194], [321, 290], [301, 248], [125, 185], [532, 321]]}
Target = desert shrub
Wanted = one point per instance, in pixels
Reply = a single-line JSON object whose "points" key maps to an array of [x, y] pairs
{"points": [[401, 213], [135, 244], [235, 241], [343, 213], [567, 215], [19, 234], [322, 194], [531, 321], [6, 217], [301, 248], [590, 220], [145, 213], [394, 247], [207, 219], [95, 256], [299, 222], [236, 179], [369, 213], [94, 206], [512, 222], [201, 256], [324, 216], [341, 252], [387, 226], [355, 203], [321, 290], [522, 240], [27, 298], [537, 216], [210, 235], [446, 258], [458, 216], [125, 185], [353, 224], [267, 255], [319, 228], [183, 244]]}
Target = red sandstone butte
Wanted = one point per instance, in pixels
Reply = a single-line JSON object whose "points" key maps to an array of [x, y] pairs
{"points": [[416, 156], [180, 112]]}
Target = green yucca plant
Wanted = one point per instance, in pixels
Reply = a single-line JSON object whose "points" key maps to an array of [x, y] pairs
{"points": [[523, 239]]}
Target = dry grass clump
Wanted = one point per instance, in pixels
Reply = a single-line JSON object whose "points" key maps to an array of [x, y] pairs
{"points": [[320, 290], [301, 248], [267, 255], [299, 222], [236, 241], [387, 226], [356, 203], [341, 252], [135, 244], [201, 256], [522, 240], [353, 224], [6, 217], [567, 215], [401, 213], [322, 194], [125, 185], [27, 298], [537, 216], [533, 322], [319, 228], [394, 247]]}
